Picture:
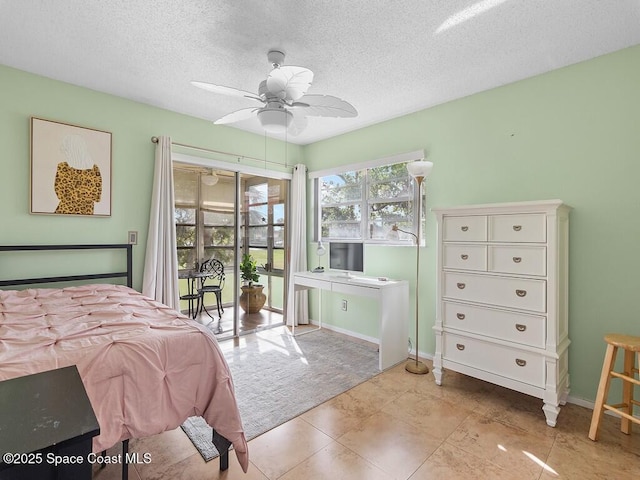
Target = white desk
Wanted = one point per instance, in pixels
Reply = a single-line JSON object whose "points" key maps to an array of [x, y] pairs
{"points": [[393, 308]]}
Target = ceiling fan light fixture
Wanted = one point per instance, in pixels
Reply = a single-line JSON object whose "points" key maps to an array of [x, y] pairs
{"points": [[210, 179], [275, 120]]}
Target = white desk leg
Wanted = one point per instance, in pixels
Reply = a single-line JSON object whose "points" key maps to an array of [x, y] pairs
{"points": [[293, 331], [319, 309]]}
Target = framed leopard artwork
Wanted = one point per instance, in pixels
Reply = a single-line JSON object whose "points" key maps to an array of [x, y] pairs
{"points": [[70, 169]]}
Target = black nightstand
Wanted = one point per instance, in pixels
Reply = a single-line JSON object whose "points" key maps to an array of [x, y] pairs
{"points": [[46, 417]]}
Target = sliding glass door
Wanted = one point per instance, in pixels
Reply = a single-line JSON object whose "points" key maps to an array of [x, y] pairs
{"points": [[205, 215], [263, 236], [224, 215]]}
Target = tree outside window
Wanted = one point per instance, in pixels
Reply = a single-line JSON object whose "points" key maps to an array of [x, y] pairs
{"points": [[365, 204]]}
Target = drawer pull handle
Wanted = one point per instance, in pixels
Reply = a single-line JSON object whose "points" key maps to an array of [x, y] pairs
{"points": [[520, 327], [460, 346], [520, 362], [517, 259], [521, 293], [517, 228], [464, 228], [460, 286], [460, 316], [464, 256]]}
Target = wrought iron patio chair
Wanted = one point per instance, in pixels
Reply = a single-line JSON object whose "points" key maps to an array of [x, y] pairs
{"points": [[213, 282]]}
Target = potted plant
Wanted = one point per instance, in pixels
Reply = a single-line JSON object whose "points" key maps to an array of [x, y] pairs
{"points": [[252, 298], [249, 270]]}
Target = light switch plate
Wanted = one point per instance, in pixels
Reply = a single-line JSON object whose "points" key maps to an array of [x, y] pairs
{"points": [[133, 237]]}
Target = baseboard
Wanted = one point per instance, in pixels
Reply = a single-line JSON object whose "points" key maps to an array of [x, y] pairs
{"points": [[350, 333], [581, 402], [428, 356]]}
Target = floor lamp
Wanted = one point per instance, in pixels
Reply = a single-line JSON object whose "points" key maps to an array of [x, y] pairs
{"points": [[418, 170]]}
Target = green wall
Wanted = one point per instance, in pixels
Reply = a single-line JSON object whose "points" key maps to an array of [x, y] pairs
{"points": [[570, 134], [23, 95]]}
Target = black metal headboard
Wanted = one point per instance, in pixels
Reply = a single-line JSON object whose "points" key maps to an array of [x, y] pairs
{"points": [[69, 278]]}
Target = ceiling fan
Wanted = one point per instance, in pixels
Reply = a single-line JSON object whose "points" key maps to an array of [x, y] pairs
{"points": [[283, 95]]}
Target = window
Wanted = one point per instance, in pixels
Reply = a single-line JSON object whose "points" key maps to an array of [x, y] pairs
{"points": [[263, 228], [217, 211], [186, 216], [341, 199], [204, 216], [390, 200], [364, 203]]}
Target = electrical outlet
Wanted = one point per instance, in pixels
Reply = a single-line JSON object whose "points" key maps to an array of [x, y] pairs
{"points": [[344, 305]]}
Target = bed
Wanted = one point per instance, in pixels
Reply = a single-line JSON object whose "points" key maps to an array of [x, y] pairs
{"points": [[146, 367]]}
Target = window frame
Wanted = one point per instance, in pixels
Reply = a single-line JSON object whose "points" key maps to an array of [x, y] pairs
{"points": [[200, 247], [212, 161], [195, 248], [367, 200], [270, 225]]}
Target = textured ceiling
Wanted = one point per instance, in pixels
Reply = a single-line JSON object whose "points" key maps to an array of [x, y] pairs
{"points": [[387, 58]]}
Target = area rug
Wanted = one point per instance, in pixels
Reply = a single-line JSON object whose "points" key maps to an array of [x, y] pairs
{"points": [[294, 374]]}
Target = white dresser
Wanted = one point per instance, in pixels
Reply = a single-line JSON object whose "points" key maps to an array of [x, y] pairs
{"points": [[502, 311]]}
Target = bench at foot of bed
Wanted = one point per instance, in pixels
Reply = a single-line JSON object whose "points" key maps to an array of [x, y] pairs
{"points": [[221, 444]]}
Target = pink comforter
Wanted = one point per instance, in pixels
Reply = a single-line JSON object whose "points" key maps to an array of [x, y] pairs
{"points": [[146, 367]]}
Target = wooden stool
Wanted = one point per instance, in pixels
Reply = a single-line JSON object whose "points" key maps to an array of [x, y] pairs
{"points": [[631, 346]]}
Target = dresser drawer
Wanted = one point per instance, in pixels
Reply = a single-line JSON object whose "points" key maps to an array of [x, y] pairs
{"points": [[521, 259], [465, 257], [471, 228], [508, 362], [510, 326], [522, 293], [530, 227]]}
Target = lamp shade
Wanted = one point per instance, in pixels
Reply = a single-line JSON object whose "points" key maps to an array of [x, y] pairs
{"points": [[274, 120], [419, 168], [321, 250]]}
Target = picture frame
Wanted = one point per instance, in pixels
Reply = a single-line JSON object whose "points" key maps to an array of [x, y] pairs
{"points": [[70, 169]]}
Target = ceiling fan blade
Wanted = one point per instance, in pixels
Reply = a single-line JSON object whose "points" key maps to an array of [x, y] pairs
{"points": [[298, 123], [234, 92], [325, 106], [237, 116], [289, 83]]}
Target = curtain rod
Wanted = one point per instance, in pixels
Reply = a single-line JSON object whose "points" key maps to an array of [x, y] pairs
{"points": [[239, 157]]}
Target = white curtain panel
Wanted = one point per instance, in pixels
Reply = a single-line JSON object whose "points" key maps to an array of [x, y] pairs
{"points": [[298, 303], [160, 280]]}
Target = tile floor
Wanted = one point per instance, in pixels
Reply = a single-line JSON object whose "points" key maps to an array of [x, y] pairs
{"points": [[403, 426], [222, 326]]}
